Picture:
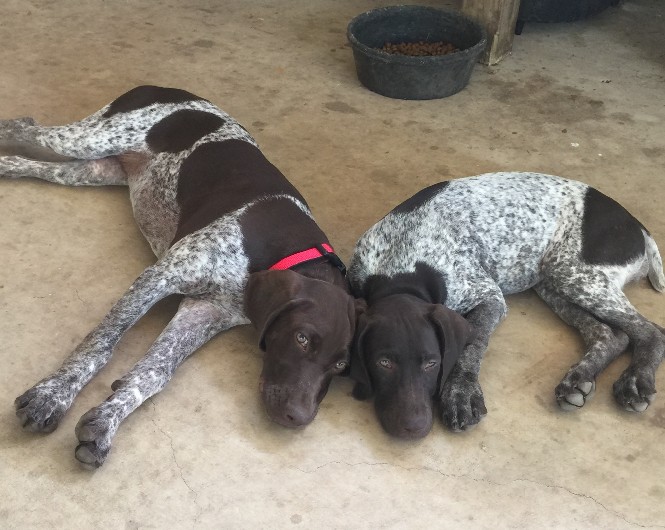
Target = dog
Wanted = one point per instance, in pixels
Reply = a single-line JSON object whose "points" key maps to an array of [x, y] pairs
{"points": [[434, 272], [231, 234]]}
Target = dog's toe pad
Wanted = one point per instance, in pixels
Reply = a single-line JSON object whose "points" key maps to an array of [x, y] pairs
{"points": [[572, 395], [587, 388], [637, 407], [575, 399], [85, 453]]}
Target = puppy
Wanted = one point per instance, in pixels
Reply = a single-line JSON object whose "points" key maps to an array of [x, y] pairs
{"points": [[454, 250]]}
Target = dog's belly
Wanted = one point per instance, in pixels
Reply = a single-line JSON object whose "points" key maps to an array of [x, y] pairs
{"points": [[521, 276], [152, 191], [515, 267]]}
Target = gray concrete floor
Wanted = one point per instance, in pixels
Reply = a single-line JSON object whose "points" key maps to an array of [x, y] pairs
{"points": [[583, 100]]}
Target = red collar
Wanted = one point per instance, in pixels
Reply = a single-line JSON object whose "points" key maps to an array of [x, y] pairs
{"points": [[320, 251]]}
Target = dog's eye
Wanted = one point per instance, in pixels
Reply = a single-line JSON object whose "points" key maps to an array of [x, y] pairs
{"points": [[430, 364], [302, 339], [341, 365], [385, 363]]}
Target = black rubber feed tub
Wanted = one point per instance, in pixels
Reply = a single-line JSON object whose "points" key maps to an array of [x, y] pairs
{"points": [[407, 77]]}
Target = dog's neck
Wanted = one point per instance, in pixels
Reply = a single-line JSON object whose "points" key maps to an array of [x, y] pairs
{"points": [[424, 283], [325, 271]]}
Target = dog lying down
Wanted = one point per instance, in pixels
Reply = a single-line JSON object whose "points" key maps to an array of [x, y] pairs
{"points": [[454, 250], [230, 233]]}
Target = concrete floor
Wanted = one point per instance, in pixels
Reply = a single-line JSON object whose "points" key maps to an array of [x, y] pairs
{"points": [[581, 100]]}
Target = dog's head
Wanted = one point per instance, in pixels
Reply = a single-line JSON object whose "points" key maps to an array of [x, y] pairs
{"points": [[306, 328], [403, 351]]}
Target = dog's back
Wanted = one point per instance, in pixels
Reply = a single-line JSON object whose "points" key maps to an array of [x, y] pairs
{"points": [[502, 225], [189, 164]]}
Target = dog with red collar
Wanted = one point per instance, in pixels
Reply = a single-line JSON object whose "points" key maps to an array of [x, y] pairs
{"points": [[230, 233]]}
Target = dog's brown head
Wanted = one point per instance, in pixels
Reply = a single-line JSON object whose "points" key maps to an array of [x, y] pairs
{"points": [[404, 349], [306, 328]]}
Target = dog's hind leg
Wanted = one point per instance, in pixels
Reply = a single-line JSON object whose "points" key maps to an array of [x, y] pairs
{"points": [[122, 126], [91, 138], [195, 323], [598, 291], [78, 154], [103, 172], [602, 342]]}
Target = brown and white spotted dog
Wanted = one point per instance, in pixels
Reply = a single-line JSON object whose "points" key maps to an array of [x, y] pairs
{"points": [[230, 233], [454, 250]]}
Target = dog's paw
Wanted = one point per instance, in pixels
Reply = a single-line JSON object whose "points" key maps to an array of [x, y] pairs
{"points": [[9, 128], [41, 408], [94, 431], [17, 123], [635, 389], [575, 390], [462, 402]]}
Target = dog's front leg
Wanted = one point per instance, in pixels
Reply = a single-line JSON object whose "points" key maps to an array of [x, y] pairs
{"points": [[462, 401], [196, 322], [41, 407]]}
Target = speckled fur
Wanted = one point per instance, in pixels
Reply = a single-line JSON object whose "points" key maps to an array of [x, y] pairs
{"points": [[208, 266], [503, 233]]}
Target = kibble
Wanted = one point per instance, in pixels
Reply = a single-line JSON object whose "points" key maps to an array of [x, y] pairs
{"points": [[419, 49]]}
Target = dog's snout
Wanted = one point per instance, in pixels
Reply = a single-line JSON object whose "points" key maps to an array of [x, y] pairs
{"points": [[288, 407], [292, 416], [416, 426], [407, 422], [297, 417]]}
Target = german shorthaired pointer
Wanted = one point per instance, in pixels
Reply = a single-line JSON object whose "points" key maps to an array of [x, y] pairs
{"points": [[456, 248], [227, 228]]}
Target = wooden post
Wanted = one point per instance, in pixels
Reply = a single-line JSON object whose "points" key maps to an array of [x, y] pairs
{"points": [[499, 18]]}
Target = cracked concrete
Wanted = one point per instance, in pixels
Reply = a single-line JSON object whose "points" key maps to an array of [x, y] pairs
{"points": [[580, 100], [175, 458], [484, 481]]}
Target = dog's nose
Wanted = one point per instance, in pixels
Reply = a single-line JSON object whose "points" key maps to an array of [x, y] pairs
{"points": [[294, 416], [416, 426], [287, 409]]}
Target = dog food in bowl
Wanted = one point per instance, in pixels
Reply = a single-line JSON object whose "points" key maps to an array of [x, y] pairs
{"points": [[420, 49]]}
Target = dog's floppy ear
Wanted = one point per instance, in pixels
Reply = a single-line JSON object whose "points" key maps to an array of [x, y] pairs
{"points": [[454, 333], [268, 294], [363, 387], [357, 308]]}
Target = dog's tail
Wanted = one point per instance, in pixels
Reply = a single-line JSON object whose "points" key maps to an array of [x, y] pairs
{"points": [[656, 276]]}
